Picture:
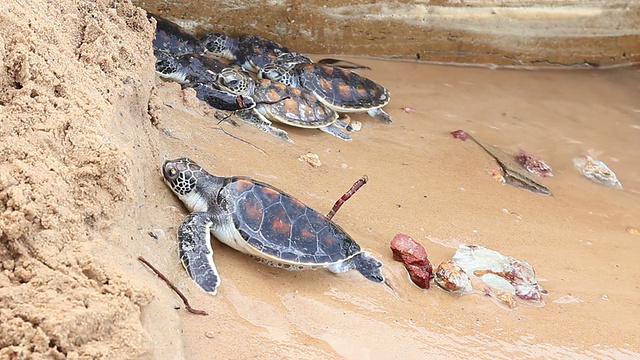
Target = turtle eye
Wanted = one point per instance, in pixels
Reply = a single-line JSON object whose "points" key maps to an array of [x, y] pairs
{"points": [[170, 172]]}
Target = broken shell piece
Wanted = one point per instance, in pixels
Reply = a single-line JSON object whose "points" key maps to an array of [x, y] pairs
{"points": [[597, 171], [349, 124], [451, 277], [533, 164], [409, 110], [498, 271], [633, 231], [508, 299], [414, 258], [354, 125], [497, 176], [311, 159]]}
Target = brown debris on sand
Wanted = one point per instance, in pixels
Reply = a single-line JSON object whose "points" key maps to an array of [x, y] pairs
{"points": [[414, 258], [534, 164], [511, 172]]}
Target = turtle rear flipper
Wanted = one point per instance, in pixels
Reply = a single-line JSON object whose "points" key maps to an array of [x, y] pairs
{"points": [[336, 131], [365, 264], [256, 119], [342, 64], [380, 114], [196, 252]]}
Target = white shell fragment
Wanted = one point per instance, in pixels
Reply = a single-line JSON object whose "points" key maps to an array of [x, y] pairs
{"points": [[508, 299], [451, 277], [498, 271], [348, 123], [597, 171], [311, 159]]}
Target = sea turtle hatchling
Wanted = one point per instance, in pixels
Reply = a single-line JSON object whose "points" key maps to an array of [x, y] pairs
{"points": [[340, 89], [260, 220], [187, 68], [276, 101], [251, 52], [199, 72], [172, 38]]}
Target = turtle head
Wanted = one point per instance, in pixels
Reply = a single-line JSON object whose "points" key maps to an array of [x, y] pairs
{"points": [[277, 72], [290, 59], [182, 176], [235, 81], [168, 67], [220, 45]]}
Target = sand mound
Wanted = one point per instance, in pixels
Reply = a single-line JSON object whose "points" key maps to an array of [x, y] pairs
{"points": [[75, 78]]}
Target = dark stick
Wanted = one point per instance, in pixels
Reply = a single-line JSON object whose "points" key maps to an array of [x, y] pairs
{"points": [[274, 102], [357, 185], [174, 288]]}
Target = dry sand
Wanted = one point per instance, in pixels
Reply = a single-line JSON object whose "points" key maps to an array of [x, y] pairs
{"points": [[86, 124]]}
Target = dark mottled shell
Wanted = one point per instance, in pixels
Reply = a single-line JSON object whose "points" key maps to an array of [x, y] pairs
{"points": [[341, 88], [200, 68], [258, 51], [301, 109], [172, 38], [281, 226]]}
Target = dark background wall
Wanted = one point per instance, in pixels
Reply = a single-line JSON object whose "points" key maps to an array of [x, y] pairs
{"points": [[508, 32]]}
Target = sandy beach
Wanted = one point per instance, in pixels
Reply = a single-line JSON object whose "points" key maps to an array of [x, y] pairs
{"points": [[86, 124]]}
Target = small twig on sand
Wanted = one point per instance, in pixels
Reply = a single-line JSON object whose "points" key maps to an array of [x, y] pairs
{"points": [[357, 185], [228, 118], [174, 288], [241, 139]]}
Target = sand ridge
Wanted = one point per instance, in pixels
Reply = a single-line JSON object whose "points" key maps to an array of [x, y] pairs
{"points": [[65, 173]]}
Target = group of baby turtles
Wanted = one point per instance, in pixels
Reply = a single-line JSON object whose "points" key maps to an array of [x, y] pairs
{"points": [[248, 215], [264, 82]]}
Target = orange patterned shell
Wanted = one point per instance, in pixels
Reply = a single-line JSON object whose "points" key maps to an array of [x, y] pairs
{"points": [[280, 225]]}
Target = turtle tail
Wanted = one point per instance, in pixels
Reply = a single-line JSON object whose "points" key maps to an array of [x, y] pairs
{"points": [[364, 263]]}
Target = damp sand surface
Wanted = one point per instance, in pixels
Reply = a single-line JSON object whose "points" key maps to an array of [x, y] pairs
{"points": [[86, 123], [440, 191]]}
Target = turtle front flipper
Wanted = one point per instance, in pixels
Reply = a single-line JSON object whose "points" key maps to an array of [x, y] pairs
{"points": [[195, 250]]}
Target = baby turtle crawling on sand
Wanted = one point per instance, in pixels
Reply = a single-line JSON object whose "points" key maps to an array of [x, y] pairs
{"points": [[251, 52], [187, 68], [172, 38], [340, 89], [260, 220], [296, 107], [199, 72]]}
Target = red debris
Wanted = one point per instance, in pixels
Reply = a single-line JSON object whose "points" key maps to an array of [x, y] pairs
{"points": [[414, 258], [460, 134], [409, 110], [533, 164]]}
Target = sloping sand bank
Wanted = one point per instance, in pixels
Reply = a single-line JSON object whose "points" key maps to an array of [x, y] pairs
{"points": [[75, 80]]}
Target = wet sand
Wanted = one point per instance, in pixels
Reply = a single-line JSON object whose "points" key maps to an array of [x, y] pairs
{"points": [[439, 191], [86, 124]]}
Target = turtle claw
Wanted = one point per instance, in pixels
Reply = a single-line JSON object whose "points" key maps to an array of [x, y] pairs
{"points": [[380, 114], [196, 252]]}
